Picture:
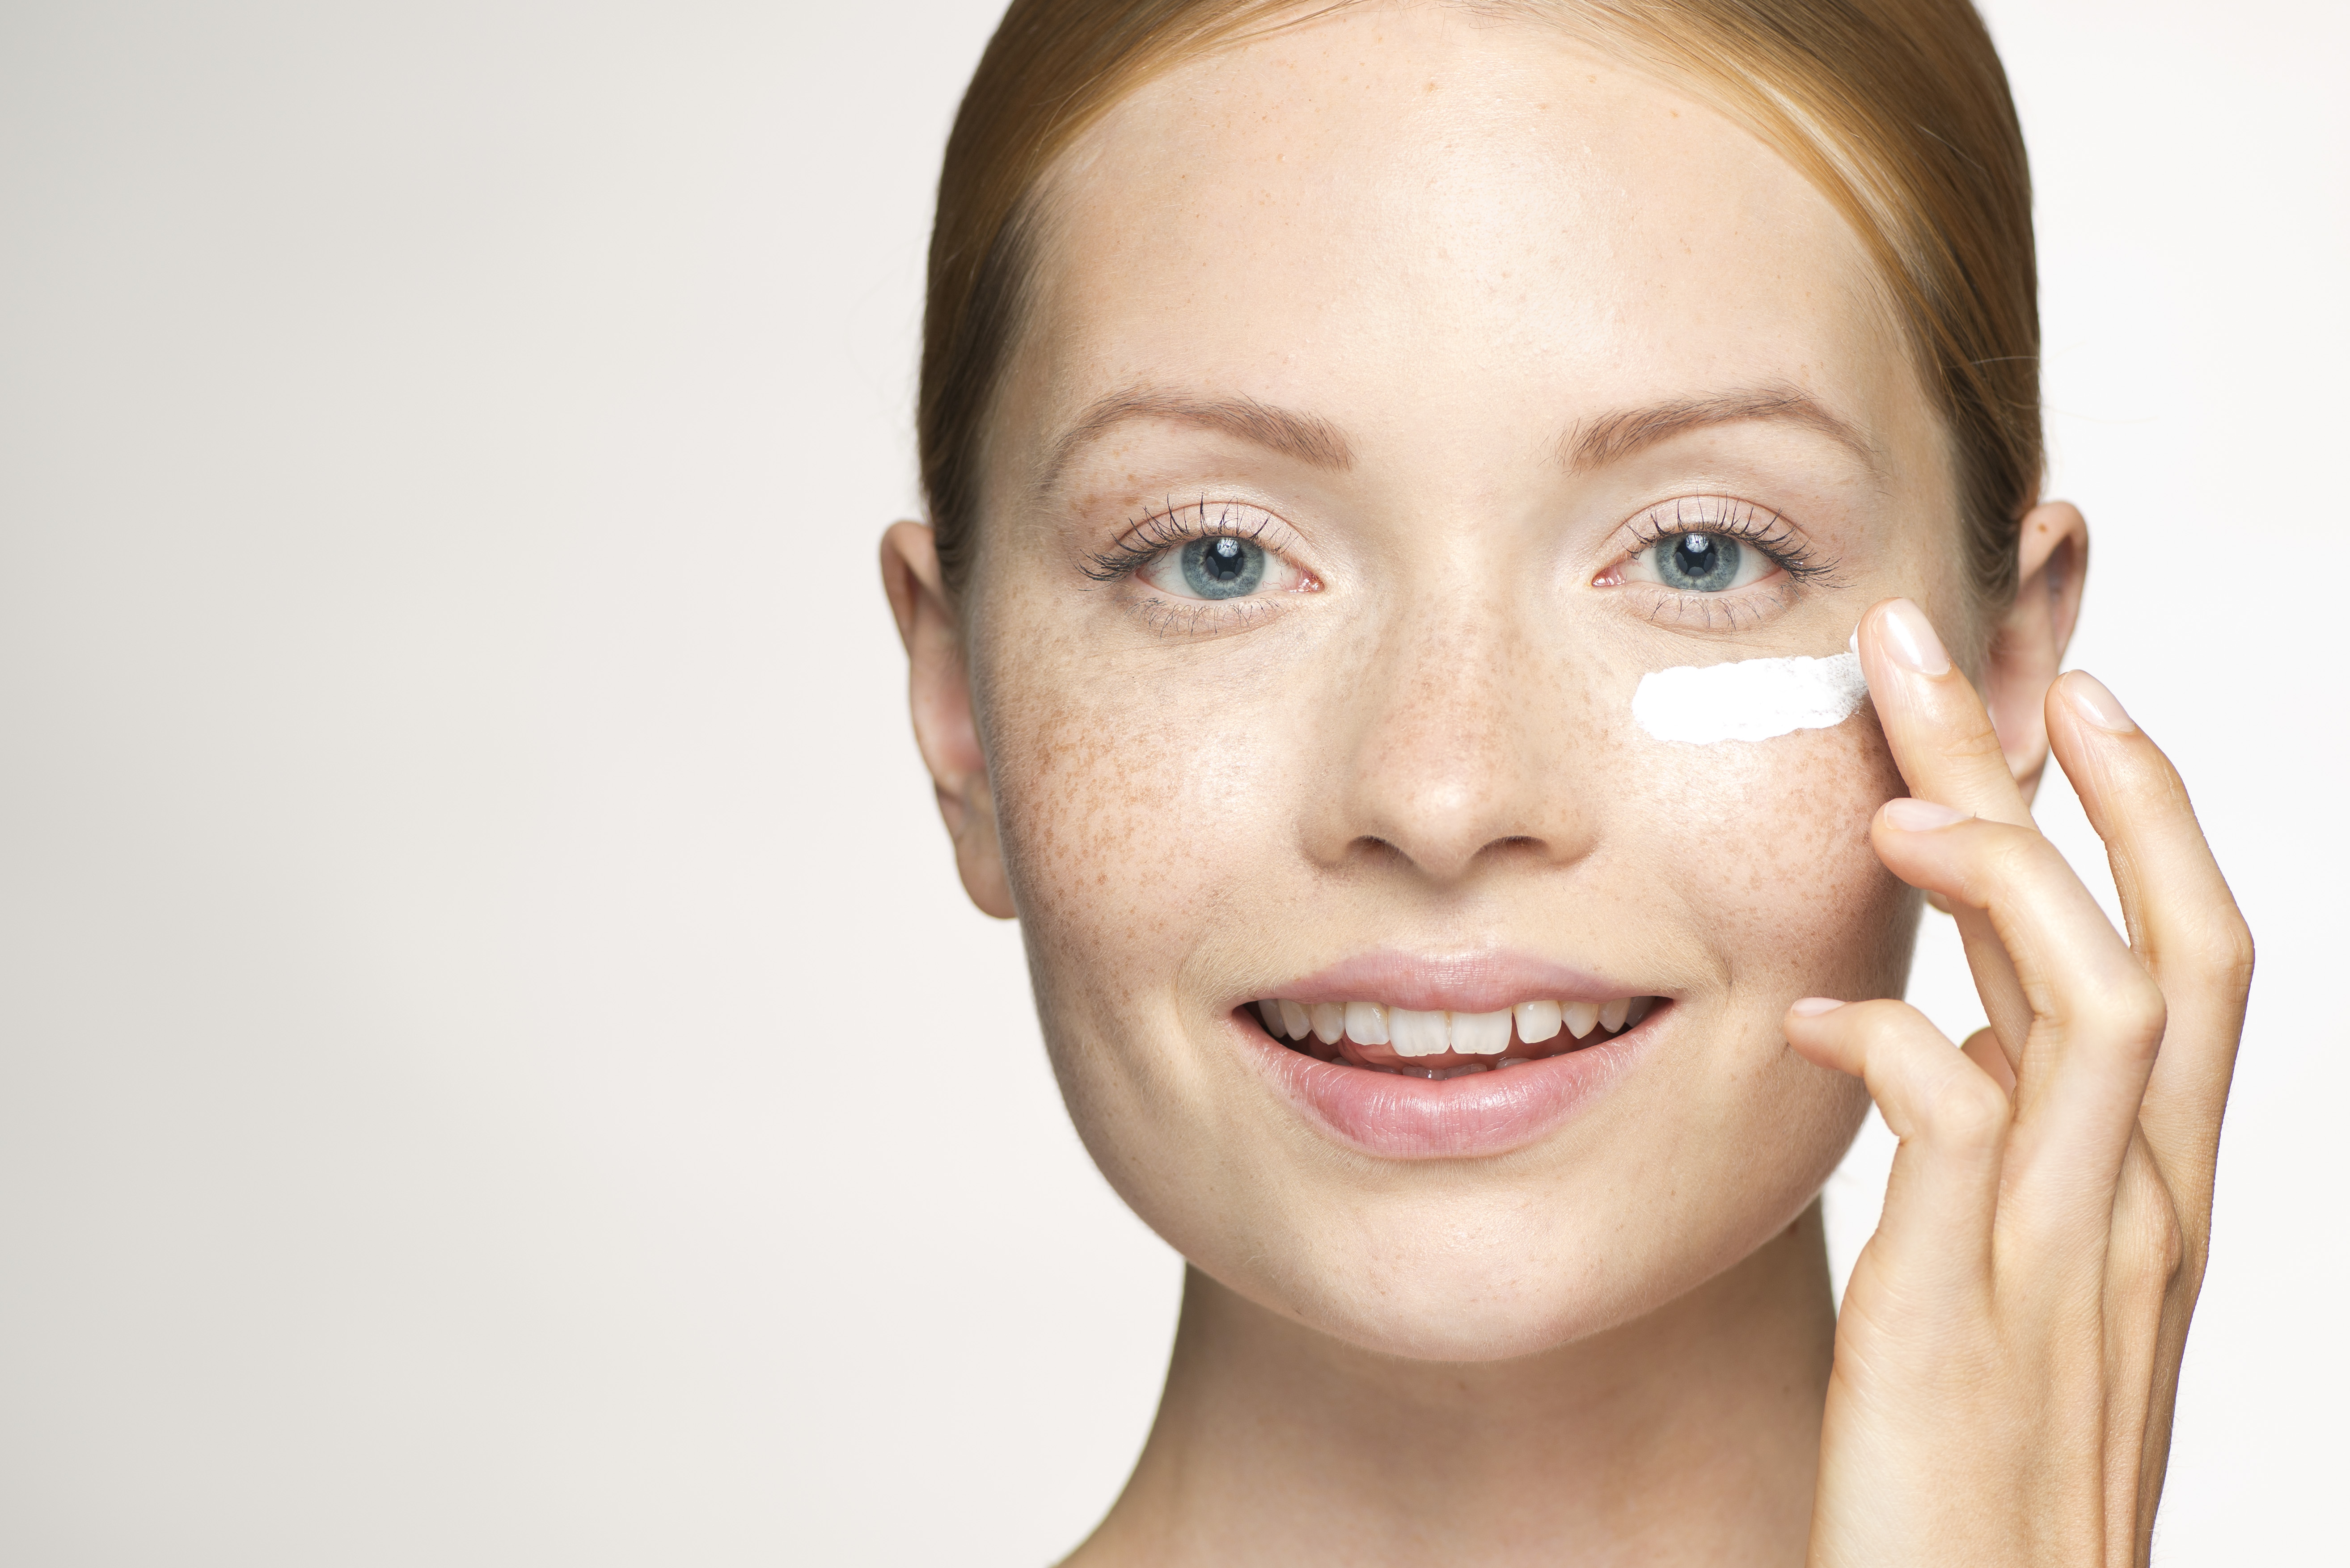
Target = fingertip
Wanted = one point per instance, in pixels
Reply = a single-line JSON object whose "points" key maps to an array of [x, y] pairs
{"points": [[1907, 633], [2093, 704], [1830, 1045], [1910, 816]]}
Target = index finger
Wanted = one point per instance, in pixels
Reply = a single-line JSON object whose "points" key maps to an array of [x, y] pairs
{"points": [[1940, 733], [1945, 745]]}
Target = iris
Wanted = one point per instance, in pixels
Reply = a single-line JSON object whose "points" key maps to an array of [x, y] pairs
{"points": [[1699, 563], [1222, 567]]}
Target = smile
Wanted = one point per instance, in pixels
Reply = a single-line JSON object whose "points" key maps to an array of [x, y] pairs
{"points": [[1411, 1055], [1440, 1043]]}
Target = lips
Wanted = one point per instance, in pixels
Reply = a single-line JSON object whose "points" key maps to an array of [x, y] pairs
{"points": [[1407, 1057]]}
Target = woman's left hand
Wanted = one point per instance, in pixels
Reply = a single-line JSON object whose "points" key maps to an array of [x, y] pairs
{"points": [[2008, 1352]]}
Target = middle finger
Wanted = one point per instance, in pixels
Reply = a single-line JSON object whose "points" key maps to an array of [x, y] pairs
{"points": [[2096, 1015]]}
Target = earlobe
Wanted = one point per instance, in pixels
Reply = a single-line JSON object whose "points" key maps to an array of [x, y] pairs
{"points": [[2028, 648], [939, 693]]}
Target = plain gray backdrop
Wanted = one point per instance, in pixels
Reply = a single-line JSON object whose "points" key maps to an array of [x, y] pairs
{"points": [[495, 1067]]}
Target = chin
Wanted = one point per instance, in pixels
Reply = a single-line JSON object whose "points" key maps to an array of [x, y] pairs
{"points": [[1507, 1272]]}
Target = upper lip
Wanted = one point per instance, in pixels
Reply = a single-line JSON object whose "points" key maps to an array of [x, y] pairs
{"points": [[1485, 981]]}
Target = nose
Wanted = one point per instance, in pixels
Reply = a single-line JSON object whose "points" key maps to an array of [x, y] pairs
{"points": [[1454, 751]]}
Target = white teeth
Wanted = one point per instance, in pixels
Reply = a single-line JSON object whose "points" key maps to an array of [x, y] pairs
{"points": [[1537, 1021], [1411, 1032], [1417, 1034], [1481, 1033]]}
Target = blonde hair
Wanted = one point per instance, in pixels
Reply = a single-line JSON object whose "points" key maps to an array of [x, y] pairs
{"points": [[1897, 110]]}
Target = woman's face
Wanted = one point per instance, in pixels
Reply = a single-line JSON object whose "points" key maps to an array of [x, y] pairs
{"points": [[1480, 376]]}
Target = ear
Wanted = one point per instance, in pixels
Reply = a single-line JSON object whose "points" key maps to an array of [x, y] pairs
{"points": [[2052, 557], [945, 729]]}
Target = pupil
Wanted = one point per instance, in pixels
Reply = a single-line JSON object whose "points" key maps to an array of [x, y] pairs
{"points": [[1222, 567], [1702, 562]]}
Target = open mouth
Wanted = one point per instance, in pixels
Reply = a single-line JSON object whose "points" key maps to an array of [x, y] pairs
{"points": [[1378, 1038]]}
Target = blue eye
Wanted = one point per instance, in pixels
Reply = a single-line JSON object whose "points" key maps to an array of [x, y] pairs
{"points": [[1698, 563], [1221, 567], [1210, 553], [1702, 547]]}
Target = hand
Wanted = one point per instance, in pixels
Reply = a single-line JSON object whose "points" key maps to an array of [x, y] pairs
{"points": [[2007, 1357]]}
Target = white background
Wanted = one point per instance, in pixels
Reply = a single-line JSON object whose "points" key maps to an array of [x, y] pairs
{"points": [[494, 1065]]}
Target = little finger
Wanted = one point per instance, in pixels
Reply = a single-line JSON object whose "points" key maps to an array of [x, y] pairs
{"points": [[1952, 1122]]}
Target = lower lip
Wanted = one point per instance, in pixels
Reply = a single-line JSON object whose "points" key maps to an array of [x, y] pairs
{"points": [[1468, 1117]]}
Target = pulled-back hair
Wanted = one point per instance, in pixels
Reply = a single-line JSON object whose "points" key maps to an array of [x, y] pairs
{"points": [[1897, 110]]}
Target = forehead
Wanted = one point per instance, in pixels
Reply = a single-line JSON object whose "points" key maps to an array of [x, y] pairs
{"points": [[1370, 215]]}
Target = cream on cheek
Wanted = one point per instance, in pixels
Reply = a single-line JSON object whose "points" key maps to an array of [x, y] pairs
{"points": [[1766, 842], [1750, 699]]}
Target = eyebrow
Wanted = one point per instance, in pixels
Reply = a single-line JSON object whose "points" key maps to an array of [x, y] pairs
{"points": [[1610, 438], [1313, 441], [1305, 437]]}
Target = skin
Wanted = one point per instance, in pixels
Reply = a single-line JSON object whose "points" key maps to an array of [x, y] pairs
{"points": [[1462, 259]]}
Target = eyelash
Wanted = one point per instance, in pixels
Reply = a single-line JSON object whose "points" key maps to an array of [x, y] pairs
{"points": [[1762, 529], [1153, 536], [1758, 526]]}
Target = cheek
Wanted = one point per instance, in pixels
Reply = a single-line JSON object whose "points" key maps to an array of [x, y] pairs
{"points": [[1765, 844], [1134, 808]]}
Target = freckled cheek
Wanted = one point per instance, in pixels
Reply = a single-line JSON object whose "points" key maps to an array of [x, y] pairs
{"points": [[1133, 820], [1766, 847]]}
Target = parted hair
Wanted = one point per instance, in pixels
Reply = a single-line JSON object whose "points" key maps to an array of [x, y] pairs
{"points": [[1897, 110]]}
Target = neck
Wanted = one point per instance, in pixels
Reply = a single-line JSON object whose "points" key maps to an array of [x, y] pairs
{"points": [[1690, 1436]]}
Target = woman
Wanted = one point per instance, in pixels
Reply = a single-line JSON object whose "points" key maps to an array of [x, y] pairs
{"points": [[1401, 478]]}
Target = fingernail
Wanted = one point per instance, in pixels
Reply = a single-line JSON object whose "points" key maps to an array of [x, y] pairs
{"points": [[1813, 1006], [1920, 815], [1911, 638], [2094, 703]]}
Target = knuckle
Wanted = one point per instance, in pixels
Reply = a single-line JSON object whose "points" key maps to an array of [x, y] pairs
{"points": [[1974, 740], [2222, 950], [2159, 1258], [2015, 857], [1969, 1111], [2146, 1015], [2134, 1012]]}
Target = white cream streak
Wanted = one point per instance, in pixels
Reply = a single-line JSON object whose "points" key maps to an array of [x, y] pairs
{"points": [[1751, 699]]}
